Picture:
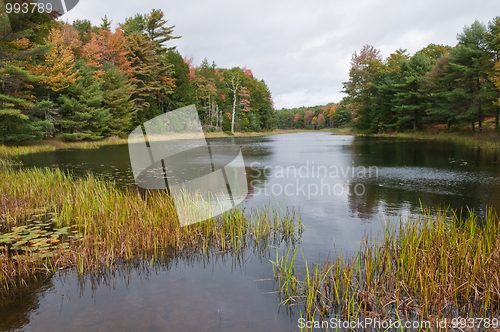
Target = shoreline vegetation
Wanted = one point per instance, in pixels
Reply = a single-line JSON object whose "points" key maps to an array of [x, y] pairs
{"points": [[430, 268], [479, 140], [51, 221]]}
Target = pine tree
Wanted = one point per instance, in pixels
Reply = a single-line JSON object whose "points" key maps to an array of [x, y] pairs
{"points": [[146, 70], [440, 109], [83, 116], [134, 24], [117, 91], [493, 42], [408, 101], [157, 31], [18, 120], [106, 24], [466, 74]]}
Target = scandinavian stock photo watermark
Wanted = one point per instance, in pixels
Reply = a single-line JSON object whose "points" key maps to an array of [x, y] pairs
{"points": [[310, 179], [170, 152]]}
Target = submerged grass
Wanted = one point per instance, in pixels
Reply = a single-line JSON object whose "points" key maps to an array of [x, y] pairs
{"points": [[111, 226], [430, 268]]}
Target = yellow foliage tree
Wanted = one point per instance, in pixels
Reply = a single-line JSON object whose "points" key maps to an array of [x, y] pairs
{"points": [[59, 63]]}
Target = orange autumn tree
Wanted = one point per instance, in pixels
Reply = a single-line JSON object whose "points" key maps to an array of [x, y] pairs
{"points": [[329, 112], [116, 47], [308, 118], [59, 63], [92, 54]]}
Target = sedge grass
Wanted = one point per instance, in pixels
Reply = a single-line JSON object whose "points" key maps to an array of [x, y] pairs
{"points": [[433, 267], [115, 226]]}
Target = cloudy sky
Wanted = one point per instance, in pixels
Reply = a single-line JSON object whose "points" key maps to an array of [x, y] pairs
{"points": [[300, 48]]}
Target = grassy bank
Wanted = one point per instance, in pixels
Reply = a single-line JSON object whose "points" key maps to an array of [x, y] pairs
{"points": [[51, 221], [428, 268], [482, 140], [10, 151]]}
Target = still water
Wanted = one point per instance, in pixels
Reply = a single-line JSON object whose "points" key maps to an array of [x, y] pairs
{"points": [[343, 186]]}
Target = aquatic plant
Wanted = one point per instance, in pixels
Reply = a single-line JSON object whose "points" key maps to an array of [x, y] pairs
{"points": [[432, 267], [108, 226]]}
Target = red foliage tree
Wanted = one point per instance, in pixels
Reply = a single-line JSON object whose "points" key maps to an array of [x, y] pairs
{"points": [[321, 121], [189, 62], [308, 118], [244, 99], [248, 72]]}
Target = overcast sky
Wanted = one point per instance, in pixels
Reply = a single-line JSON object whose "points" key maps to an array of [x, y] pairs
{"points": [[301, 48]]}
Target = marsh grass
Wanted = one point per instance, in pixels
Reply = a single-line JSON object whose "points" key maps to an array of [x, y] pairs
{"points": [[433, 267], [113, 226], [14, 151], [483, 140], [52, 145]]}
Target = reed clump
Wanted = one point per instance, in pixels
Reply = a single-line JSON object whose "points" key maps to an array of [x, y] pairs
{"points": [[96, 226], [432, 267]]}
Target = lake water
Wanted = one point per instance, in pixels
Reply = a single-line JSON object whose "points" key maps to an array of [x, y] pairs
{"points": [[343, 186]]}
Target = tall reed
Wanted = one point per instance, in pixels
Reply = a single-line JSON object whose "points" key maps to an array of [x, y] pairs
{"points": [[114, 226], [432, 267]]}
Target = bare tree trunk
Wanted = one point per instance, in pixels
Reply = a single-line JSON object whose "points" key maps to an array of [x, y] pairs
{"points": [[234, 89], [497, 118]]}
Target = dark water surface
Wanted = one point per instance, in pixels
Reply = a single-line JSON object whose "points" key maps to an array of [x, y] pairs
{"points": [[344, 187]]}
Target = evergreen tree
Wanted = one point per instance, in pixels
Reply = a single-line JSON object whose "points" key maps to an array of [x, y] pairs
{"points": [[157, 31], [134, 24], [466, 74], [83, 116], [408, 102], [117, 91], [18, 46], [106, 24], [440, 109], [493, 43], [184, 92], [84, 28], [146, 70]]}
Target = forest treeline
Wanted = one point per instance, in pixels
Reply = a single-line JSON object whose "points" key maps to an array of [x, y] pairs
{"points": [[455, 86], [83, 82]]}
